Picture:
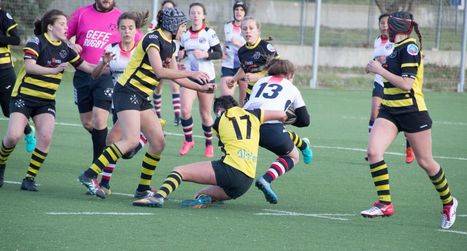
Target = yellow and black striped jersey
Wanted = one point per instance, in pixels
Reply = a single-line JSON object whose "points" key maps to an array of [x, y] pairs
{"points": [[405, 61], [238, 132], [253, 58], [139, 74], [46, 53], [7, 28]]}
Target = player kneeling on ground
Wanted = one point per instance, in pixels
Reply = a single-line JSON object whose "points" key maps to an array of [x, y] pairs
{"points": [[232, 175]]}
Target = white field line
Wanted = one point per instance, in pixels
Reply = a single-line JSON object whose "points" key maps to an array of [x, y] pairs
{"points": [[453, 231], [315, 146], [462, 215], [17, 182], [453, 123], [329, 216], [99, 213]]}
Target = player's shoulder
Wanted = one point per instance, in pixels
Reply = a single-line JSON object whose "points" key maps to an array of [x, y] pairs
{"points": [[265, 45], [410, 47], [35, 40]]}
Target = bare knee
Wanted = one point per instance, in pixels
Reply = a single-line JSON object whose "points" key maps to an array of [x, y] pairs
{"points": [[374, 155], [12, 138], [99, 121], [157, 146], [426, 163], [44, 139], [206, 117]]}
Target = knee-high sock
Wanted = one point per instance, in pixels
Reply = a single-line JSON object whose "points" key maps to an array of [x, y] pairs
{"points": [[187, 125], [176, 104], [282, 165], [111, 154], [107, 174], [5, 153], [298, 142], [158, 104], [208, 134], [380, 175], [98, 142], [441, 184], [173, 180], [37, 159], [148, 167]]}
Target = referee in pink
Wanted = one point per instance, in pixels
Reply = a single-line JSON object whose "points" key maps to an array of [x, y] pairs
{"points": [[94, 27]]}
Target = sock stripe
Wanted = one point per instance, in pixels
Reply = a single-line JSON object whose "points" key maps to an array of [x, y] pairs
{"points": [[380, 177], [146, 175], [155, 157], [116, 150], [372, 166], [380, 172]]}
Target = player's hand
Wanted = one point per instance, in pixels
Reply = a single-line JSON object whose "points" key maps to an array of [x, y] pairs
{"points": [[77, 48], [200, 76], [199, 54], [60, 68], [231, 83], [208, 88], [107, 57], [374, 67]]}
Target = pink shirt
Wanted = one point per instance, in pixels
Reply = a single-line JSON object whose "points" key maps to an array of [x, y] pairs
{"points": [[94, 30]]}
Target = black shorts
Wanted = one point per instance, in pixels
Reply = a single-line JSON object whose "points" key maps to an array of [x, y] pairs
{"points": [[228, 72], [91, 93], [408, 122], [378, 90], [234, 182], [275, 138], [124, 98], [31, 108], [7, 83]]}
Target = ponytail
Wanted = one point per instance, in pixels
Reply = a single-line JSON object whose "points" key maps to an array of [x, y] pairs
{"points": [[417, 30]]}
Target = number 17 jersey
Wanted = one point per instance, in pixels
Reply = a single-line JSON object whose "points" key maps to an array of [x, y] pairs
{"points": [[275, 94]]}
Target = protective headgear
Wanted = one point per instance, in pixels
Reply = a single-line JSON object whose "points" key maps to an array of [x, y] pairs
{"points": [[223, 103], [400, 22], [240, 4], [171, 20]]}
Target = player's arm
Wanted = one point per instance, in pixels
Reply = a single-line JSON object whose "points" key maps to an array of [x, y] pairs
{"points": [[30, 61], [172, 73], [11, 37], [301, 113], [267, 115], [238, 76], [103, 66], [187, 83], [403, 82]]}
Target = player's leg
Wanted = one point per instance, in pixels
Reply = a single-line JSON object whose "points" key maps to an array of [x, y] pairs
{"points": [[45, 124], [242, 87], [382, 135], [152, 129], [187, 97], [175, 88], [421, 142], [13, 135], [200, 172], [303, 144], [157, 99], [206, 101]]}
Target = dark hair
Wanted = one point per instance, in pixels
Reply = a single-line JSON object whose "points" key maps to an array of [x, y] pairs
{"points": [[199, 5], [40, 26], [280, 67], [224, 102], [382, 16], [419, 34], [168, 1], [140, 18]]}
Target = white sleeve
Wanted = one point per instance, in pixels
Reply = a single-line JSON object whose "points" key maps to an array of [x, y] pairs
{"points": [[213, 39], [298, 100]]}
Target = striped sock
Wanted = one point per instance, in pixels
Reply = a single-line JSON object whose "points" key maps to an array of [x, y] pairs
{"points": [[379, 172], [148, 167], [176, 104], [208, 134], [37, 159], [107, 175], [187, 125], [110, 155], [173, 180], [4, 153], [298, 142], [441, 184], [158, 104], [282, 165]]}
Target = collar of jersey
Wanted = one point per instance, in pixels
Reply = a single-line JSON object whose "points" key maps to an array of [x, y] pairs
{"points": [[233, 23], [407, 40], [253, 45], [56, 43], [202, 28], [164, 36]]}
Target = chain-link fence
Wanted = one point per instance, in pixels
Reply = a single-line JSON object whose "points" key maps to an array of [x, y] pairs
{"points": [[349, 23]]}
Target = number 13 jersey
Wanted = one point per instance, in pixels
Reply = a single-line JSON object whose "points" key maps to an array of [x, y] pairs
{"points": [[275, 94]]}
